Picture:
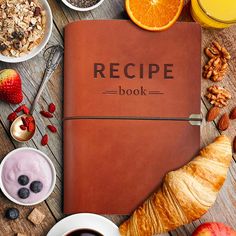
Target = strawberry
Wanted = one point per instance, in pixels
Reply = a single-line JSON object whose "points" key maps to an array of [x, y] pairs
{"points": [[10, 86]]}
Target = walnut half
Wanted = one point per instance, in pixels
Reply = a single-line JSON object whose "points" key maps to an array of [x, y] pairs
{"points": [[218, 96], [217, 66]]}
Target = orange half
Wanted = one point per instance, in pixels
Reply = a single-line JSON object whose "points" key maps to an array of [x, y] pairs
{"points": [[154, 15]]}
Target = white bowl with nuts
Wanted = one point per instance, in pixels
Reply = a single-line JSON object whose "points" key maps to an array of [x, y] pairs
{"points": [[25, 28]]}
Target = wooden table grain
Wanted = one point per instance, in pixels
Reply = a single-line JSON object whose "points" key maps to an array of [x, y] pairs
{"points": [[224, 210]]}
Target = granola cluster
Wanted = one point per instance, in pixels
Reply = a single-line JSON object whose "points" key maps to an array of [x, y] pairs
{"points": [[22, 26]]}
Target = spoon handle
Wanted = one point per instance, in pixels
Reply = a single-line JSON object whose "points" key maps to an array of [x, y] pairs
{"points": [[52, 63]]}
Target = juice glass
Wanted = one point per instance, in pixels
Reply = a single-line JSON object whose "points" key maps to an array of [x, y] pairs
{"points": [[214, 13]]}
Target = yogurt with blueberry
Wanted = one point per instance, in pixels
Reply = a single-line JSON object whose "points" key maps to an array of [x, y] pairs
{"points": [[27, 176]]}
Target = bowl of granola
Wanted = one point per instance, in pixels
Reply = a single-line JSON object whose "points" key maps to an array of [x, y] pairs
{"points": [[25, 28]]}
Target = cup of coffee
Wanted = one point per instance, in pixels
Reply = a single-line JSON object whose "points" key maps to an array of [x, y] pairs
{"points": [[83, 232], [84, 224]]}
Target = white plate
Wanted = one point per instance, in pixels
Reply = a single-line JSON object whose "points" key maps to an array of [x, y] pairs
{"points": [[85, 221]]}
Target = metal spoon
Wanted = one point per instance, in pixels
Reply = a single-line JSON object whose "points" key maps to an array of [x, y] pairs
{"points": [[53, 61]]}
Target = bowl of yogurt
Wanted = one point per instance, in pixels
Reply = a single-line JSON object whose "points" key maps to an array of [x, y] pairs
{"points": [[27, 176]]}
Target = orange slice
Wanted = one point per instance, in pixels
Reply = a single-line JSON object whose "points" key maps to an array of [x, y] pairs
{"points": [[154, 15]]}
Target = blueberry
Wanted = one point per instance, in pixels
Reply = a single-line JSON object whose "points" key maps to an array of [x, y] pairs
{"points": [[36, 186], [23, 193], [12, 213], [23, 180]]}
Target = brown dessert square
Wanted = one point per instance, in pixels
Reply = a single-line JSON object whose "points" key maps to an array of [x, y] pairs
{"points": [[36, 217]]}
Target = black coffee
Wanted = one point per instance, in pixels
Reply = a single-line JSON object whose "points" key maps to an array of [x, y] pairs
{"points": [[84, 232]]}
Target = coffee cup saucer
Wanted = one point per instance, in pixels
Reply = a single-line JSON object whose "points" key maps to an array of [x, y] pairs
{"points": [[94, 222]]}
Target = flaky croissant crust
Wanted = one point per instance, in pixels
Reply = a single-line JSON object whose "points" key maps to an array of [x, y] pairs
{"points": [[186, 194]]}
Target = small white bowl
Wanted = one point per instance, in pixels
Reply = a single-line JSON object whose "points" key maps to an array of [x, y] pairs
{"points": [[44, 41], [53, 176], [82, 8]]}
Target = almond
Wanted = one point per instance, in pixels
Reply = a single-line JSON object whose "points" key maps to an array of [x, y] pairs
{"points": [[232, 115], [223, 123], [234, 145], [212, 113]]}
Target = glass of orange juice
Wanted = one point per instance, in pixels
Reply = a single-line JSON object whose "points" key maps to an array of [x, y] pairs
{"points": [[214, 13]]}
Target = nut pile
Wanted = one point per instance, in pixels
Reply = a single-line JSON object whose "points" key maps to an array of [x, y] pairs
{"points": [[218, 96], [217, 66], [22, 26]]}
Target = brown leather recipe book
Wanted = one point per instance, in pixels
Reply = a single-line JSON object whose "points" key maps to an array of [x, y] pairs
{"points": [[131, 111]]}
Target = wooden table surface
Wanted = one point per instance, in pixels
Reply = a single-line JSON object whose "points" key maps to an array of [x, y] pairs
{"points": [[31, 71]]}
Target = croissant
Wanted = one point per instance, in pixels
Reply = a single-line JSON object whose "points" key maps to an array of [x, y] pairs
{"points": [[186, 194]]}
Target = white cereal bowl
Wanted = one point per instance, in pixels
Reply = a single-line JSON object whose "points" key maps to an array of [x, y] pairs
{"points": [[53, 176], [48, 30], [82, 8]]}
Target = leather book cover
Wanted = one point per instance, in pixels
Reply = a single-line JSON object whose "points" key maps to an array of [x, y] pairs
{"points": [[131, 98]]}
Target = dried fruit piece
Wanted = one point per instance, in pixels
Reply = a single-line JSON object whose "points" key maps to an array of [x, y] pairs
{"points": [[46, 114], [23, 108], [51, 108], [20, 108], [31, 127], [232, 115], [44, 140], [12, 116], [37, 11], [25, 121], [234, 144], [213, 113], [23, 127], [52, 128], [26, 110], [223, 123]]}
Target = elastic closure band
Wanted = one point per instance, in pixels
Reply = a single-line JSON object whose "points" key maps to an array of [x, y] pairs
{"points": [[197, 118]]}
